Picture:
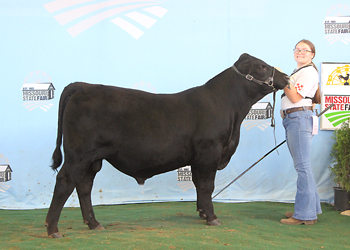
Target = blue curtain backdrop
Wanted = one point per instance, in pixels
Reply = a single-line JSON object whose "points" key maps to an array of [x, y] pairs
{"points": [[160, 46]]}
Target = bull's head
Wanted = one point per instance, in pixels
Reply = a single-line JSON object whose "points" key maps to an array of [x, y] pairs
{"points": [[256, 70]]}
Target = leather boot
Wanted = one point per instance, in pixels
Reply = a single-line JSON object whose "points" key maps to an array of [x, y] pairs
{"points": [[293, 221]]}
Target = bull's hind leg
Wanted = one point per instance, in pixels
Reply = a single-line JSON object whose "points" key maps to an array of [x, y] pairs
{"points": [[203, 179], [63, 189], [84, 188]]}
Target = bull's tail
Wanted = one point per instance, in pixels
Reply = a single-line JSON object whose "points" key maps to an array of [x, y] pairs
{"points": [[66, 94]]}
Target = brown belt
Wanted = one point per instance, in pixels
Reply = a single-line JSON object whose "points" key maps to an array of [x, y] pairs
{"points": [[292, 110]]}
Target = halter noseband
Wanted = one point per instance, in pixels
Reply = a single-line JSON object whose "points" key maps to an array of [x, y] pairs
{"points": [[268, 81]]}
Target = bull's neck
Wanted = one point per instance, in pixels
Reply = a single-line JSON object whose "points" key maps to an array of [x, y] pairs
{"points": [[231, 89]]}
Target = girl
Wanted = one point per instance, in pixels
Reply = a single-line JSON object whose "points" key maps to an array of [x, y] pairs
{"points": [[297, 109]]}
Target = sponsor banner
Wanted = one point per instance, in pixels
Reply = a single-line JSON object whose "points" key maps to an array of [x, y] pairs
{"points": [[335, 89]]}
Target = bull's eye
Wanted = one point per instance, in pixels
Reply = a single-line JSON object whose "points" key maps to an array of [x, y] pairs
{"points": [[261, 67]]}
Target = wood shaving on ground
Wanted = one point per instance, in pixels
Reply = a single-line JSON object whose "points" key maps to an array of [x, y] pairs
{"points": [[347, 212]]}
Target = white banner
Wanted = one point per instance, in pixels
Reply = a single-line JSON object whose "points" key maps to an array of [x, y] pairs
{"points": [[335, 89]]}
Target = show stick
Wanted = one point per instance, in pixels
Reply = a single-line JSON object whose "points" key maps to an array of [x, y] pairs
{"points": [[318, 115]]}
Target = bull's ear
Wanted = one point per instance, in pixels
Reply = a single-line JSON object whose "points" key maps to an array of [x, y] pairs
{"points": [[243, 63]]}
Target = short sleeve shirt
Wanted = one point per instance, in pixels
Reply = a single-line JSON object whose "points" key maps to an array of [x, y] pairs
{"points": [[306, 83]]}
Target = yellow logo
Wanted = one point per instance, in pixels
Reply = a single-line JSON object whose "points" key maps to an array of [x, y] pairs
{"points": [[340, 76]]}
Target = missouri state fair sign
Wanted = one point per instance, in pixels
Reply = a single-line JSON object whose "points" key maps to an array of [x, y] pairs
{"points": [[335, 89]]}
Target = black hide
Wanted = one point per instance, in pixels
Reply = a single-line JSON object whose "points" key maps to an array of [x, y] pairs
{"points": [[143, 134]]}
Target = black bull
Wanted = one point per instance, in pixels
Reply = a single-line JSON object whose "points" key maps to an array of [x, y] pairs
{"points": [[143, 134]]}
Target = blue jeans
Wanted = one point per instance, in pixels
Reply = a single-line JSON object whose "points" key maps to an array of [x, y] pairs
{"points": [[298, 126]]}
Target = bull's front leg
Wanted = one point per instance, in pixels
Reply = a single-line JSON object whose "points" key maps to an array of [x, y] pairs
{"points": [[203, 178]]}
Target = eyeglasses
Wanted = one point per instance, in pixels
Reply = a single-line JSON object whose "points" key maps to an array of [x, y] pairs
{"points": [[302, 51]]}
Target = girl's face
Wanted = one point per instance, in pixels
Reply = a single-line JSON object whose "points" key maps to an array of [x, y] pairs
{"points": [[303, 54]]}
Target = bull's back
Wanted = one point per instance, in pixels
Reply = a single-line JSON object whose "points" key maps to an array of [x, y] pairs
{"points": [[131, 125]]}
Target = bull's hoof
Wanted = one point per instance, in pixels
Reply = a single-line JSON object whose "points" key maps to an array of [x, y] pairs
{"points": [[99, 227], [55, 235], [215, 222]]}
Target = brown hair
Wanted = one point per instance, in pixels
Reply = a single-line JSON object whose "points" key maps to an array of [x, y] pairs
{"points": [[312, 47], [317, 97]]}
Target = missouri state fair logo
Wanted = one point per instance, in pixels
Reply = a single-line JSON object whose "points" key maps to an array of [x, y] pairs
{"points": [[184, 178], [5, 174], [133, 16], [37, 91], [337, 24], [258, 115], [341, 108]]}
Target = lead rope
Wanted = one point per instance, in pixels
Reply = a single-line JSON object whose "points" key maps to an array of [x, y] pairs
{"points": [[273, 118], [273, 110]]}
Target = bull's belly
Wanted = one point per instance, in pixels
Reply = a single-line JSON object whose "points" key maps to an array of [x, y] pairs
{"points": [[144, 165]]}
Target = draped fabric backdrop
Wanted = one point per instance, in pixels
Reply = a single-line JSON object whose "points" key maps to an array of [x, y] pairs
{"points": [[160, 46]]}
